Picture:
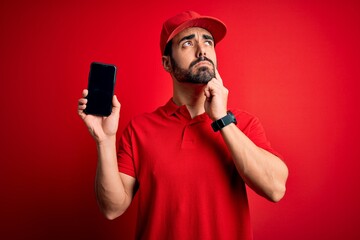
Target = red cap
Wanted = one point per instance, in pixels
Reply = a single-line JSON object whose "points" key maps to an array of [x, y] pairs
{"points": [[187, 19]]}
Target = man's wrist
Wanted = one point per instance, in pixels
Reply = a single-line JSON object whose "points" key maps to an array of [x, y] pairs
{"points": [[223, 122], [108, 140], [219, 116]]}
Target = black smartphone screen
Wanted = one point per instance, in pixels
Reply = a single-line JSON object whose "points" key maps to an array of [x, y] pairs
{"points": [[101, 89]]}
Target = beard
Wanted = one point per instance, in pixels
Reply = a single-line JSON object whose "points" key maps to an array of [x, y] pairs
{"points": [[201, 75]]}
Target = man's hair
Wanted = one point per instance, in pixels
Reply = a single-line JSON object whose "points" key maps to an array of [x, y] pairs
{"points": [[168, 49]]}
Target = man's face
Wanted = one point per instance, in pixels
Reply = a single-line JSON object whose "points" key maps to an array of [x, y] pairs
{"points": [[193, 57]]}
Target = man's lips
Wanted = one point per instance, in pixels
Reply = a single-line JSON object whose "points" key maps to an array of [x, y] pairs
{"points": [[203, 63], [202, 60]]}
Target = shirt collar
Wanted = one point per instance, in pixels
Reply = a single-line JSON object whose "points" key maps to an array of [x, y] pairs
{"points": [[171, 109]]}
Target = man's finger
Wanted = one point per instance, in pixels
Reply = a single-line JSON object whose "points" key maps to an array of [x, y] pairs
{"points": [[81, 112], [207, 92], [217, 76], [82, 101], [85, 93]]}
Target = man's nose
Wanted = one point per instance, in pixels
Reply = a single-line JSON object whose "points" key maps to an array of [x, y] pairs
{"points": [[200, 51]]}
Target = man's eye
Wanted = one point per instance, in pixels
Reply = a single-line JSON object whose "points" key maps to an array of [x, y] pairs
{"points": [[187, 44], [209, 42]]}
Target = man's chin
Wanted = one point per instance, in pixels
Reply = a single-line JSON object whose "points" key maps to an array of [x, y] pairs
{"points": [[197, 80], [203, 77], [200, 76], [200, 83]]}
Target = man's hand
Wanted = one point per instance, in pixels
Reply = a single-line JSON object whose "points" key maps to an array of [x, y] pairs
{"points": [[101, 128], [114, 190], [216, 98]]}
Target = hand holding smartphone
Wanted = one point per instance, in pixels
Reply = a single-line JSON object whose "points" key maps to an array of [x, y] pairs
{"points": [[101, 84]]}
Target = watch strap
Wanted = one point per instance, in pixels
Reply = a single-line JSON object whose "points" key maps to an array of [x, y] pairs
{"points": [[223, 122]]}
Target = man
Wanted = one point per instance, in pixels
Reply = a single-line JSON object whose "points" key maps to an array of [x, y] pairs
{"points": [[189, 160]]}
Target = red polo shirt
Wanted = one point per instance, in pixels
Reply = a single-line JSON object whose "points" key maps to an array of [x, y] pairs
{"points": [[189, 187]]}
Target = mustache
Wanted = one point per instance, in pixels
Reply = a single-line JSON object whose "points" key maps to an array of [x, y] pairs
{"points": [[200, 59]]}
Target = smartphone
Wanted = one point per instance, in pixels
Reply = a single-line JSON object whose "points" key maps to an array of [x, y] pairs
{"points": [[101, 84]]}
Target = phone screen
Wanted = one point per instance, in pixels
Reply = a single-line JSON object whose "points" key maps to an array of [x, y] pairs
{"points": [[101, 89]]}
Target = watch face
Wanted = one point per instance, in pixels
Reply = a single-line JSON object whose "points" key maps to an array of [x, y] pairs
{"points": [[222, 122]]}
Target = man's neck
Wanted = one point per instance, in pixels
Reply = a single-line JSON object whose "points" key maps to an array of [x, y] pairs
{"points": [[190, 95]]}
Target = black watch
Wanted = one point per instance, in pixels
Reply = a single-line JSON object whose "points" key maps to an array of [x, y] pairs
{"points": [[222, 122]]}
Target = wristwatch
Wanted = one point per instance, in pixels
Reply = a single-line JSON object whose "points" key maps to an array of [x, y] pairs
{"points": [[223, 122]]}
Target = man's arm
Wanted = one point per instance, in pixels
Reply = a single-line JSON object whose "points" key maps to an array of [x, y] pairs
{"points": [[114, 190], [262, 171]]}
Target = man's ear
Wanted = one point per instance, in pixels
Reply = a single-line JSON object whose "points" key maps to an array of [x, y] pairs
{"points": [[166, 63]]}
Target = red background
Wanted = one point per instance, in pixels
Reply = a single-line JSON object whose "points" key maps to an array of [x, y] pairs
{"points": [[294, 64]]}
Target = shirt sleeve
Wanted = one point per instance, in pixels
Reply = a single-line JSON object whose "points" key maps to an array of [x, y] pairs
{"points": [[254, 130], [125, 154]]}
